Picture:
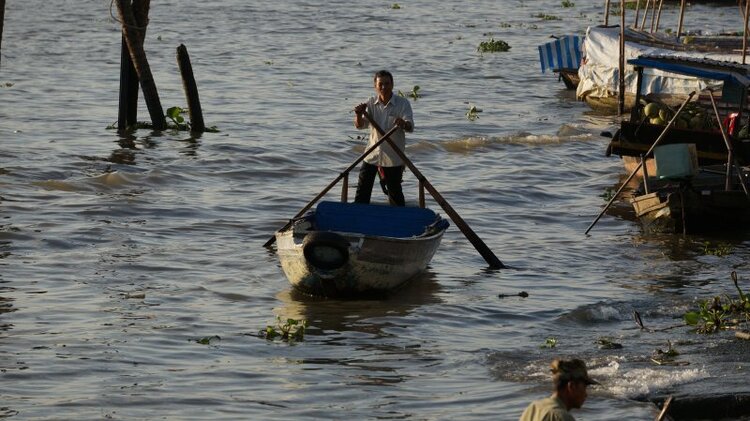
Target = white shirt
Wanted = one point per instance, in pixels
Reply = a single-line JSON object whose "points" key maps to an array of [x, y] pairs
{"points": [[385, 115]]}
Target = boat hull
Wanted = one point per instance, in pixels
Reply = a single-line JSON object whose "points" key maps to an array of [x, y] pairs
{"points": [[692, 211], [358, 250], [375, 266]]}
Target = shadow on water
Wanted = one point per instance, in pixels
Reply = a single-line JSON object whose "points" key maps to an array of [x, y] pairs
{"points": [[366, 316]]}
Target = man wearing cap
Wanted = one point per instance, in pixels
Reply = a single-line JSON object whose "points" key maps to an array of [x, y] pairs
{"points": [[570, 379]]}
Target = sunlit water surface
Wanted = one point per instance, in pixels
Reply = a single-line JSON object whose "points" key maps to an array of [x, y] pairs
{"points": [[120, 254]]}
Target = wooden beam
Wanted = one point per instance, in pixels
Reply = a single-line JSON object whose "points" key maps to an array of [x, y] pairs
{"points": [[191, 90], [133, 37]]}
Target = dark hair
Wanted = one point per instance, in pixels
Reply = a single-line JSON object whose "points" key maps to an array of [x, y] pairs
{"points": [[382, 74]]}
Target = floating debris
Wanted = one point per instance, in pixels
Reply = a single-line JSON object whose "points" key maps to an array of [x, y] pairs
{"points": [[522, 294]]}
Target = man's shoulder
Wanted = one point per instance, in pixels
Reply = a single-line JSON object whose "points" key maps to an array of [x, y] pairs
{"points": [[547, 409]]}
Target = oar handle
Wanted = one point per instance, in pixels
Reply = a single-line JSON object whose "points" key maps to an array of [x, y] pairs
{"points": [[470, 235], [382, 139]]}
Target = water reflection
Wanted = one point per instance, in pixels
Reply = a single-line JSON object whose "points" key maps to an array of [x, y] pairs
{"points": [[6, 303], [324, 315], [191, 144]]}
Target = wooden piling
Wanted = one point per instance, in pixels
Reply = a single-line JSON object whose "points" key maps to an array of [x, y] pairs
{"points": [[744, 32], [128, 106], [658, 15], [645, 14], [133, 37], [621, 88], [637, 12], [2, 19], [191, 90], [679, 23], [653, 17], [606, 13]]}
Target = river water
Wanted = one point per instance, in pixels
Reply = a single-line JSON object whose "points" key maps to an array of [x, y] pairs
{"points": [[133, 281]]}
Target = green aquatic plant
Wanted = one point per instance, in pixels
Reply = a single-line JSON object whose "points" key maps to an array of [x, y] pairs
{"points": [[175, 114], [395, 6], [545, 16], [606, 343], [473, 112], [493, 46], [667, 357], [608, 193], [413, 94], [291, 330], [549, 343], [719, 313], [206, 340], [718, 249], [568, 3]]}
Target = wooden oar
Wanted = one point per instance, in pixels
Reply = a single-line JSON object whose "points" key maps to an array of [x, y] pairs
{"points": [[664, 408], [637, 168], [383, 138], [478, 244]]}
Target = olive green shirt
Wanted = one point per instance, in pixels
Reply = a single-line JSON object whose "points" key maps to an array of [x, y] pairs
{"points": [[547, 409]]}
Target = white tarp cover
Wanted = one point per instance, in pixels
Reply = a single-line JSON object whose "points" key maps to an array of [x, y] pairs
{"points": [[598, 72]]}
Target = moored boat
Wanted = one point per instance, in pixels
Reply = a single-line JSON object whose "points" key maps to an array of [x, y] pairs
{"points": [[599, 68], [355, 250], [696, 204], [698, 125]]}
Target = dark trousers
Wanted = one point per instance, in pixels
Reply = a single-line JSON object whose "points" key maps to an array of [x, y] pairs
{"points": [[393, 175]]}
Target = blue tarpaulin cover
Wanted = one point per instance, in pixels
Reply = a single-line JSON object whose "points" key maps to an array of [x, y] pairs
{"points": [[562, 53], [380, 220]]}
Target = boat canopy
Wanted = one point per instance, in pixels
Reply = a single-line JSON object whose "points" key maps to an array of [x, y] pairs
{"points": [[599, 71], [702, 68], [734, 75]]}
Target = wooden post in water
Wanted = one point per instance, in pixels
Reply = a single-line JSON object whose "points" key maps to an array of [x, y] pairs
{"points": [[128, 107], [191, 90], [606, 13], [653, 17], [133, 35], [645, 15], [621, 88], [127, 114], [658, 15], [637, 12], [744, 31], [679, 23], [2, 19]]}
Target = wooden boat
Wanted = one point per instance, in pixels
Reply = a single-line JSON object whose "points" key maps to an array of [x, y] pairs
{"points": [[636, 136], [354, 250], [599, 70], [569, 77], [696, 204]]}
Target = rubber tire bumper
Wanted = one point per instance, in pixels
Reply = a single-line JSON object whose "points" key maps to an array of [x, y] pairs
{"points": [[325, 250]]}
